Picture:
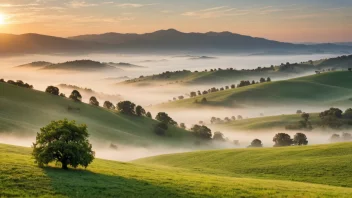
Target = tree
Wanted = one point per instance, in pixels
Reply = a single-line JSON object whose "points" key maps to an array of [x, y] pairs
{"points": [[300, 139], [63, 141], [299, 112], [262, 80], [62, 95], [268, 79], [165, 118], [182, 126], [93, 101], [204, 100], [126, 107], [346, 137], [52, 90], [335, 138], [282, 139], [160, 129], [331, 118], [193, 94], [239, 117], [149, 115], [108, 105], [350, 69], [218, 136], [256, 143], [140, 111], [348, 114], [76, 96], [202, 132]]}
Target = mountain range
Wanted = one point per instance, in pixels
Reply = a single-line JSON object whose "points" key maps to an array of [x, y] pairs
{"points": [[164, 41]]}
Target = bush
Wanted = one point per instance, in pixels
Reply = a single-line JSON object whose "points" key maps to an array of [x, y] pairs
{"points": [[63, 141]]}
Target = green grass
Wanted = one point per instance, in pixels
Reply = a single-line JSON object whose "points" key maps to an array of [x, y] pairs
{"points": [[321, 164], [268, 122], [20, 177], [329, 88], [24, 111]]}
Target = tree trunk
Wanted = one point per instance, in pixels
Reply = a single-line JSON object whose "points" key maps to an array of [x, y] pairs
{"points": [[64, 165]]}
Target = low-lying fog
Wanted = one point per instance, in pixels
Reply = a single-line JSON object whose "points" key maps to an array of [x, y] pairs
{"points": [[128, 152], [150, 96]]}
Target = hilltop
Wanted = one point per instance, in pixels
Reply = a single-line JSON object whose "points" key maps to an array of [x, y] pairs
{"points": [[185, 175], [329, 88]]}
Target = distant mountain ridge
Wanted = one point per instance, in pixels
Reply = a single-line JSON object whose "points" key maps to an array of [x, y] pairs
{"points": [[162, 41]]}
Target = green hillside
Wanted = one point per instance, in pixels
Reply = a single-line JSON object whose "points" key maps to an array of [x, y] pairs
{"points": [[20, 177], [24, 111], [230, 76], [321, 164], [317, 90], [267, 122]]}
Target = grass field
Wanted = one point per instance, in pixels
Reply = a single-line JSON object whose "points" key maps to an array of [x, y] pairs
{"points": [[24, 111], [268, 122], [330, 88], [20, 177], [321, 164]]}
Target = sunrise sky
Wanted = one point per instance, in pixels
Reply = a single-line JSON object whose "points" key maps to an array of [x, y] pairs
{"points": [[283, 20]]}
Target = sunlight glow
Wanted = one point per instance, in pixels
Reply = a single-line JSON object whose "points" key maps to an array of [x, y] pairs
{"points": [[2, 19]]}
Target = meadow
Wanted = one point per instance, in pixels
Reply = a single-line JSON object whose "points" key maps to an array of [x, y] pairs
{"points": [[166, 176]]}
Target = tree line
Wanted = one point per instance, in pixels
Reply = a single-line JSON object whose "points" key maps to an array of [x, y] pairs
{"points": [[19, 83]]}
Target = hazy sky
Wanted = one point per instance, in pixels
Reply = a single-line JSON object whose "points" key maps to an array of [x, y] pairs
{"points": [[284, 20]]}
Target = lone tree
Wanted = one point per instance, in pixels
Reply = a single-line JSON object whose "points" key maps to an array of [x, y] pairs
{"points": [[165, 118], [76, 96], [140, 111], [335, 138], [63, 141], [108, 105], [300, 139], [126, 107], [202, 132], [256, 143], [93, 101], [282, 139], [52, 90]]}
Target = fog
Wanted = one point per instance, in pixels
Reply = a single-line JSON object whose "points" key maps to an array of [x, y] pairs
{"points": [[150, 96]]}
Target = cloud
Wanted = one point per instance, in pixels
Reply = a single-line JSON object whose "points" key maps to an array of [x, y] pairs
{"points": [[134, 5], [216, 12], [8, 5], [80, 4]]}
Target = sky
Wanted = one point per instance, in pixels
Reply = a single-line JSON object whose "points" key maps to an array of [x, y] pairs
{"points": [[282, 20]]}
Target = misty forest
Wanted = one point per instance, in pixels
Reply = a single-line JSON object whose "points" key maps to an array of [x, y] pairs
{"points": [[172, 113]]}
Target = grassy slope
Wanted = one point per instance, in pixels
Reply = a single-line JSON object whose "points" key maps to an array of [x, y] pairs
{"points": [[327, 88], [24, 112], [322, 164], [20, 177], [268, 122]]}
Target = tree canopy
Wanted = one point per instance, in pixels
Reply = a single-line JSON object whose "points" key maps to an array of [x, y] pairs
{"points": [[282, 139], [52, 90], [126, 107], [165, 118], [256, 143], [76, 96], [202, 132], [63, 141], [93, 101]]}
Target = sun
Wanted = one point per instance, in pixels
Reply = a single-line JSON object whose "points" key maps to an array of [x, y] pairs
{"points": [[2, 19]]}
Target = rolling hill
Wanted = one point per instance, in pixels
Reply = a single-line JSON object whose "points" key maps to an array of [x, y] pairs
{"points": [[25, 111], [20, 177], [329, 88], [230, 75], [267, 122], [321, 164]]}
